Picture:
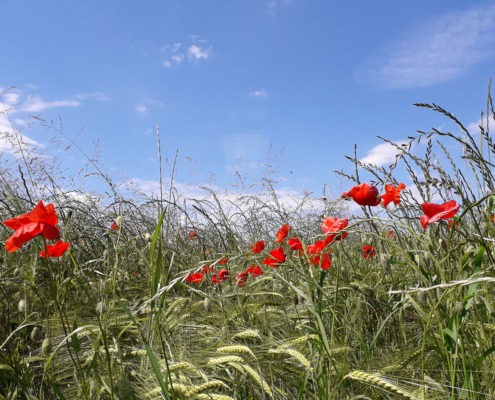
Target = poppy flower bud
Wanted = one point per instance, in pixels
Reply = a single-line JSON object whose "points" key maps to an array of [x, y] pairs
{"points": [[147, 237], [46, 346], [385, 261], [423, 296], [207, 304], [35, 334], [21, 306], [119, 220], [100, 307]]}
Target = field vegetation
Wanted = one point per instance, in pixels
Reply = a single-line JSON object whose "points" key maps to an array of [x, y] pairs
{"points": [[116, 294]]}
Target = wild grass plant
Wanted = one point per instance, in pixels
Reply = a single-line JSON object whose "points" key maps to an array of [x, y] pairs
{"points": [[130, 310]]}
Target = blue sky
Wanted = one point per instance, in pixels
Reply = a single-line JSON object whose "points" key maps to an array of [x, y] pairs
{"points": [[234, 84]]}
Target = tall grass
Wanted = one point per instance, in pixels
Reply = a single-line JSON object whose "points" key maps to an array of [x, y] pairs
{"points": [[115, 318]]}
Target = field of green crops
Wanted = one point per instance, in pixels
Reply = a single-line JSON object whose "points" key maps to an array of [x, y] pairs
{"points": [[385, 292]]}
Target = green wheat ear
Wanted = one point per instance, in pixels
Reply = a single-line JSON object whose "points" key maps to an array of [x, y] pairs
{"points": [[247, 334], [379, 382]]}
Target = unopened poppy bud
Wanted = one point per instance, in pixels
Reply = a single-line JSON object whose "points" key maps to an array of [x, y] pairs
{"points": [[46, 346], [119, 220], [207, 304], [100, 307], [417, 259], [147, 237], [385, 261], [21, 306], [35, 334], [17, 271], [423, 296]]}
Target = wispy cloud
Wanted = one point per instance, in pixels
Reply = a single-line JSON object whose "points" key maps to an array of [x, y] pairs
{"points": [[197, 53], [273, 5], [15, 107], [474, 127], [382, 154], [194, 52], [143, 106], [35, 103], [259, 93], [434, 51], [98, 96], [232, 201], [245, 152]]}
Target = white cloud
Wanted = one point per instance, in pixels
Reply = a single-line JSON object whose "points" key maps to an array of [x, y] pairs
{"points": [[197, 53], [99, 96], [13, 108], [231, 201], [11, 140], [273, 5], [167, 64], [141, 108], [259, 93], [178, 58], [35, 103], [148, 102], [434, 51], [382, 154], [474, 127]]}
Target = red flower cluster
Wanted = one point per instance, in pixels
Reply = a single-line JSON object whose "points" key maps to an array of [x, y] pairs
{"points": [[41, 221], [368, 195]]}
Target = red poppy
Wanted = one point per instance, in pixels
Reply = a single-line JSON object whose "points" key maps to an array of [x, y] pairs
{"points": [[317, 247], [435, 212], [40, 221], [369, 252], [223, 261], [254, 270], [114, 226], [492, 217], [333, 227], [222, 275], [277, 257], [258, 247], [206, 269], [195, 278], [451, 223], [363, 194], [241, 279], [55, 250], [191, 235], [326, 261], [295, 244], [391, 233], [282, 233], [392, 193]]}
